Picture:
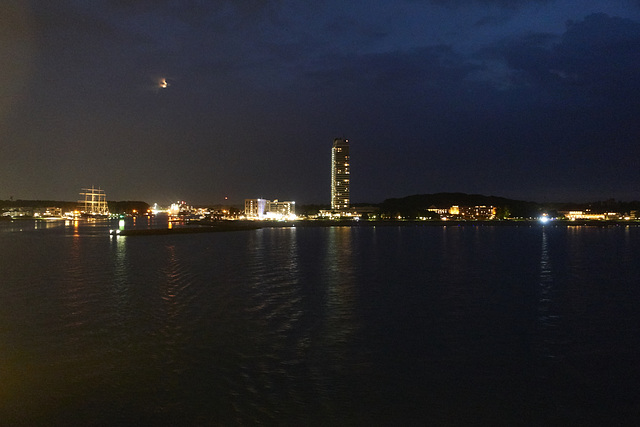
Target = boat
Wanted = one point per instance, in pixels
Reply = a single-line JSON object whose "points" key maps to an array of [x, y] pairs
{"points": [[94, 204]]}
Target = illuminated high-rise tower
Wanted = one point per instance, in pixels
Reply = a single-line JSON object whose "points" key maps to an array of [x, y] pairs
{"points": [[340, 174]]}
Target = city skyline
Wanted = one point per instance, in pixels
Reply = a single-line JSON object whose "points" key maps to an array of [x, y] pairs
{"points": [[212, 103]]}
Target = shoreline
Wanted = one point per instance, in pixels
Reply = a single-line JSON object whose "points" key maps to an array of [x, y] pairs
{"points": [[201, 226], [433, 223]]}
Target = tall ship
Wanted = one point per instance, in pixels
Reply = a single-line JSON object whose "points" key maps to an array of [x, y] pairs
{"points": [[94, 203]]}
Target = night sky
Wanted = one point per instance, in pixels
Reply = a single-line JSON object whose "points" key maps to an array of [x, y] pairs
{"points": [[201, 100]]}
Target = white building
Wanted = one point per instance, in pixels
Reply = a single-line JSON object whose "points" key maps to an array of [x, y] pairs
{"points": [[574, 215], [265, 209], [255, 208]]}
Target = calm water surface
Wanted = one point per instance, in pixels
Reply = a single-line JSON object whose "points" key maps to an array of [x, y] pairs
{"points": [[320, 326]]}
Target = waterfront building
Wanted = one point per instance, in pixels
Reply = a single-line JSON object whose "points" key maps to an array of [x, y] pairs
{"points": [[18, 212], [443, 212], [266, 209], [48, 212], [473, 212], [255, 208], [281, 209], [369, 212], [181, 208], [340, 174], [588, 215]]}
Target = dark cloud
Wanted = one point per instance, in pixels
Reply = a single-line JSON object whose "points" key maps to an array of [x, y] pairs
{"points": [[601, 52], [199, 14], [393, 71], [509, 4], [595, 60], [481, 96], [491, 20]]}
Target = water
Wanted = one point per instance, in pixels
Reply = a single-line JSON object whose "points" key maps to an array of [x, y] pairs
{"points": [[320, 326]]}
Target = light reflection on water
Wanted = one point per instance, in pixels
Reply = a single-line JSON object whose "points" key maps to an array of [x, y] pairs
{"points": [[340, 287], [318, 326], [548, 317]]}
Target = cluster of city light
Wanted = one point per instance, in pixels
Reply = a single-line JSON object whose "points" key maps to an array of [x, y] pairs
{"points": [[155, 210], [587, 215], [274, 216], [262, 209]]}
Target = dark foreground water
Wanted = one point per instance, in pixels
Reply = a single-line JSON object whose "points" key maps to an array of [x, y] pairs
{"points": [[320, 326]]}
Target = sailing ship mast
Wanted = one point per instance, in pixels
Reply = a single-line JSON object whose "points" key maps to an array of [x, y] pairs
{"points": [[95, 202]]}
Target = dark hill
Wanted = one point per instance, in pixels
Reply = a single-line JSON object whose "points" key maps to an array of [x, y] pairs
{"points": [[417, 205]]}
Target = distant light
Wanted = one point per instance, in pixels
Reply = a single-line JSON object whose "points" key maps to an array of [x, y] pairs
{"points": [[544, 219]]}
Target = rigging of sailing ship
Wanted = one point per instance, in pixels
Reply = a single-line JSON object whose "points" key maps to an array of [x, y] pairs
{"points": [[94, 203]]}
